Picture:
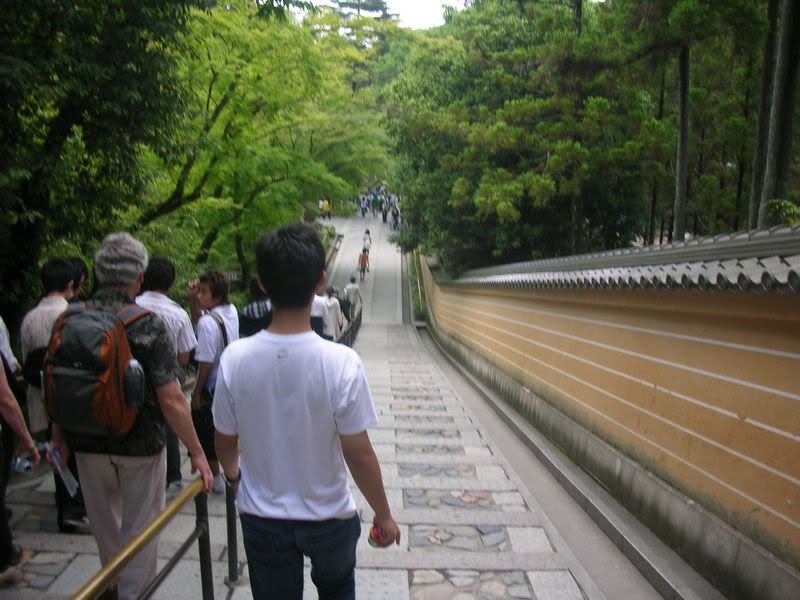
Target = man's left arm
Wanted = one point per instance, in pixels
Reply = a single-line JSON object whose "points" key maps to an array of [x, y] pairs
{"points": [[203, 371]]}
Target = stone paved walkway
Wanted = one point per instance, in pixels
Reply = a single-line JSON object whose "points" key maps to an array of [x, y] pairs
{"points": [[470, 529]]}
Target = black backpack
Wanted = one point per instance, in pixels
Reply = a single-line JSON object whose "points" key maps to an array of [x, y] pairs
{"points": [[34, 366]]}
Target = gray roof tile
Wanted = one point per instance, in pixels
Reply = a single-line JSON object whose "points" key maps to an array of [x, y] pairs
{"points": [[763, 260]]}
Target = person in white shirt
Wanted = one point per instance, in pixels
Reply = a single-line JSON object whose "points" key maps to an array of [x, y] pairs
{"points": [[352, 293], [335, 321], [290, 411], [158, 279], [217, 326], [5, 347], [319, 315], [57, 277]]}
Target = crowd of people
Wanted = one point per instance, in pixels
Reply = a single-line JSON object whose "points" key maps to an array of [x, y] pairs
{"points": [[378, 200], [276, 410]]}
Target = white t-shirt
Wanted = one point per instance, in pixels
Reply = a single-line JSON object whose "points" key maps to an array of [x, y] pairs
{"points": [[332, 325], [289, 398], [319, 308], [209, 338], [179, 325]]}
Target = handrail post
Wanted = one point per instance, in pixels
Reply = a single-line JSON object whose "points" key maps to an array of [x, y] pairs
{"points": [[204, 546], [233, 546]]}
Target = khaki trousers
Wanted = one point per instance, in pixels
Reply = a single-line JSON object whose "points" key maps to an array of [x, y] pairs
{"points": [[123, 494]]}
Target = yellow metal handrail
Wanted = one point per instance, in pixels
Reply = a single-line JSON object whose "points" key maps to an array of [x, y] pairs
{"points": [[105, 577]]}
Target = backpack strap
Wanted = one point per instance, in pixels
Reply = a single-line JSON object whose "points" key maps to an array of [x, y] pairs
{"points": [[221, 324], [130, 313]]}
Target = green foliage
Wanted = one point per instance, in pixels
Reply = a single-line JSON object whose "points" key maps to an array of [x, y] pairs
{"points": [[526, 129], [783, 212]]}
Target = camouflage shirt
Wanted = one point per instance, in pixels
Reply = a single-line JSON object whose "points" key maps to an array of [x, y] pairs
{"points": [[151, 346]]}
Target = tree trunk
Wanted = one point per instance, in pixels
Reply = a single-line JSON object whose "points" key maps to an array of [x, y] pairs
{"points": [[741, 164], [240, 254], [779, 145], [577, 10], [679, 212], [767, 71], [651, 230]]}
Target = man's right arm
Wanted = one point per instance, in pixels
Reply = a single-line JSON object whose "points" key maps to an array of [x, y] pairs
{"points": [[176, 412], [12, 413]]}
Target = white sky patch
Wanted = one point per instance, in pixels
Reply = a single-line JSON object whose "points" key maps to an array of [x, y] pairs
{"points": [[422, 14]]}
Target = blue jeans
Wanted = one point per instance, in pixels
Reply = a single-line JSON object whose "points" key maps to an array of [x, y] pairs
{"points": [[275, 549]]}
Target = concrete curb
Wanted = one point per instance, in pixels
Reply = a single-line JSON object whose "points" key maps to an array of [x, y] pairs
{"points": [[662, 567]]}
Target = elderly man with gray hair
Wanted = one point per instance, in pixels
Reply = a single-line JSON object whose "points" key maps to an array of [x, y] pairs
{"points": [[123, 476]]}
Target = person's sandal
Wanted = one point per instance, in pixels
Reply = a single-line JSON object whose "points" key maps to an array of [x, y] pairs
{"points": [[11, 575]]}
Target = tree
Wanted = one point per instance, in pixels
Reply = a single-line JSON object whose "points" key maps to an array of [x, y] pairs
{"points": [[784, 86], [84, 84], [767, 72]]}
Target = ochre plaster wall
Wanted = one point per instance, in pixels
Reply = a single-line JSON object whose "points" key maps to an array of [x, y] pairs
{"points": [[702, 388]]}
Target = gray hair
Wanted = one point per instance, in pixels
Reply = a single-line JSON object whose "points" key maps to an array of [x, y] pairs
{"points": [[119, 260]]}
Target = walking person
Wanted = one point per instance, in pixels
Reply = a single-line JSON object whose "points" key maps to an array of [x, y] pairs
{"points": [[10, 554], [217, 326], [256, 314], [363, 262], [123, 475], [290, 411], [158, 279], [335, 321], [352, 293], [58, 279]]}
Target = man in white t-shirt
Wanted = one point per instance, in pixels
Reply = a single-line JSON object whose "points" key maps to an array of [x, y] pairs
{"points": [[290, 411], [319, 315], [217, 326], [158, 279]]}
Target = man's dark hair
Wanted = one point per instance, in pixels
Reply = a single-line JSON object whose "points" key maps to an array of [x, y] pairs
{"points": [[290, 261], [352, 280], [56, 274], [79, 271], [217, 282], [159, 275], [256, 293]]}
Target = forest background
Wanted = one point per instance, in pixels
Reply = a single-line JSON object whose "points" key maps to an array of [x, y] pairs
{"points": [[519, 129]]}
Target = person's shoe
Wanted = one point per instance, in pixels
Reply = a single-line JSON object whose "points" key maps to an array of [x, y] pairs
{"points": [[109, 594], [173, 487], [17, 554], [22, 464], [218, 487], [11, 575], [78, 524]]}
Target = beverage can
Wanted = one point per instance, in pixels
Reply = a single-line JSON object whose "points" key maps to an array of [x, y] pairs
{"points": [[374, 533]]}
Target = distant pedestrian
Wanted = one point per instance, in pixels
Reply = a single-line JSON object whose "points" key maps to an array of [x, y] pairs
{"points": [[318, 315], [366, 240], [335, 320], [326, 208], [291, 410], [363, 262], [58, 282], [352, 295], [80, 276], [217, 326], [10, 554], [257, 314], [158, 279]]}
